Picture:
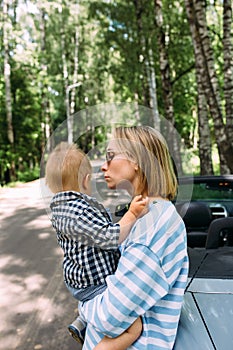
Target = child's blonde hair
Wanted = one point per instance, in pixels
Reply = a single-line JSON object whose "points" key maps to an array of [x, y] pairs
{"points": [[66, 168], [147, 147]]}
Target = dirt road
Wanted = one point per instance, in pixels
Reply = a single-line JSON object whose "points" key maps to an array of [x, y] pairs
{"points": [[35, 306]]}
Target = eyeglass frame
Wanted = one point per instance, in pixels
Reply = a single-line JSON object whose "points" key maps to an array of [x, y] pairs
{"points": [[110, 158]]}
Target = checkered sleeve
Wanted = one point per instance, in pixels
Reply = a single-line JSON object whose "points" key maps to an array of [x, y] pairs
{"points": [[85, 220], [97, 228]]}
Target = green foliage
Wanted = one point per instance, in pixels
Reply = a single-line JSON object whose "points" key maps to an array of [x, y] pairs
{"points": [[114, 41], [29, 174]]}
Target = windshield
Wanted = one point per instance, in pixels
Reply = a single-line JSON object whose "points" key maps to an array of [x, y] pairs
{"points": [[207, 191]]}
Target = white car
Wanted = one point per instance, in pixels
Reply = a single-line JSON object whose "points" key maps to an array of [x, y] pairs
{"points": [[207, 313]]}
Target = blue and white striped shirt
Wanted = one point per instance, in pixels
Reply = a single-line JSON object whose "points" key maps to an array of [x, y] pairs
{"points": [[150, 281]]}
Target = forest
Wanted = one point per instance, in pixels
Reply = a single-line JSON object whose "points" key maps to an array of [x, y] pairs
{"points": [[60, 57]]}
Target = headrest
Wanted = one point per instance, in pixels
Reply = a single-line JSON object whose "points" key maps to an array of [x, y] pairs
{"points": [[195, 214]]}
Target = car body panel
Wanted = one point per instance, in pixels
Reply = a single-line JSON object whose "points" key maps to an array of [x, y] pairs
{"points": [[206, 322], [217, 311], [208, 300], [207, 312], [192, 333], [211, 286]]}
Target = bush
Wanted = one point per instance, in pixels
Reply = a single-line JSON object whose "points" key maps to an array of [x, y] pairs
{"points": [[29, 174]]}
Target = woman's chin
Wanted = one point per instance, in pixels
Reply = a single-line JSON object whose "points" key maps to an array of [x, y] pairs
{"points": [[111, 186]]}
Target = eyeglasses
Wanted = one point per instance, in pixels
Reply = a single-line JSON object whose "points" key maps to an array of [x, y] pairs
{"points": [[110, 155]]}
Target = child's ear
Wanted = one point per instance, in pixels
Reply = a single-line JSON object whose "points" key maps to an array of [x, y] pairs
{"points": [[86, 181]]}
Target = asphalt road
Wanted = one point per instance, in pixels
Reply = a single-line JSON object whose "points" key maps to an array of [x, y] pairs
{"points": [[35, 306]]}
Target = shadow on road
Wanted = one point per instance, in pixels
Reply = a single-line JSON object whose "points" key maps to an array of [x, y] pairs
{"points": [[34, 303]]}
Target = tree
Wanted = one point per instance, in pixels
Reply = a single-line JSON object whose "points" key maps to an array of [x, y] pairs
{"points": [[45, 103], [7, 78], [138, 51], [145, 54], [196, 14], [163, 38], [205, 144], [228, 66]]}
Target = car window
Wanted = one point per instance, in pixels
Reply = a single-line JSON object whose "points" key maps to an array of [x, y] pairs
{"points": [[205, 191]]}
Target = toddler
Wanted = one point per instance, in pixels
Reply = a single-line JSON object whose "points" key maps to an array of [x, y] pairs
{"points": [[87, 234]]}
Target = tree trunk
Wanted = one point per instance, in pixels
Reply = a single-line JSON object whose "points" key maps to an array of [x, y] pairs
{"points": [[75, 75], [152, 89], [65, 75], [171, 135], [71, 89], [228, 66], [205, 145], [7, 72], [45, 108], [7, 80], [138, 4], [204, 62]]}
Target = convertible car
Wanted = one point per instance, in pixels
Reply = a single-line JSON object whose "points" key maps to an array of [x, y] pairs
{"points": [[207, 313], [206, 205]]}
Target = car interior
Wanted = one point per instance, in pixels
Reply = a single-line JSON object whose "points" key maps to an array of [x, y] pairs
{"points": [[208, 214], [205, 204], [197, 218]]}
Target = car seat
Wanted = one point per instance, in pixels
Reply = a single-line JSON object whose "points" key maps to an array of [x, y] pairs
{"points": [[220, 233], [197, 218]]}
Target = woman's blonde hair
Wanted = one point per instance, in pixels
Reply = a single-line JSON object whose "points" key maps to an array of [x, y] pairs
{"points": [[147, 147], [66, 168]]}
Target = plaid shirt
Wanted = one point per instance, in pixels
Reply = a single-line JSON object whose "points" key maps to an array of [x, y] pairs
{"points": [[88, 237]]}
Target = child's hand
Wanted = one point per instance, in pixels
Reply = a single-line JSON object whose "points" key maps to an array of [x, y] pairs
{"points": [[124, 340], [139, 206]]}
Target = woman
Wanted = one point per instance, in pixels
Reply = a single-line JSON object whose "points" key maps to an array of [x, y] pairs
{"points": [[152, 272]]}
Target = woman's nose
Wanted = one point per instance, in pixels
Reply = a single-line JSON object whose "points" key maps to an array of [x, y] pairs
{"points": [[104, 166]]}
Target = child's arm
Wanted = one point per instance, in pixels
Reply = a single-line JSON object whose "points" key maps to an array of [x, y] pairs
{"points": [[138, 208], [123, 341]]}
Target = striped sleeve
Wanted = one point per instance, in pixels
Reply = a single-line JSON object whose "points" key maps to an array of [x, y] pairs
{"points": [[139, 282]]}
